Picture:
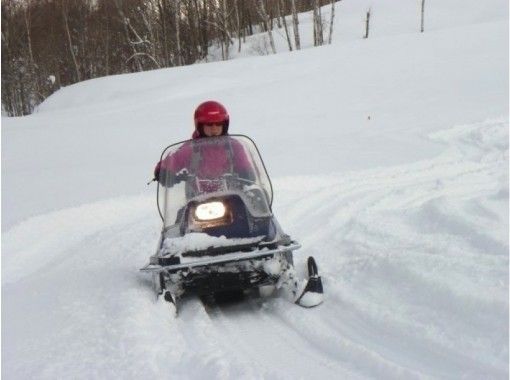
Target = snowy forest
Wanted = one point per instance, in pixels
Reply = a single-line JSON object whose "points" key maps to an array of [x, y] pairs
{"points": [[48, 44]]}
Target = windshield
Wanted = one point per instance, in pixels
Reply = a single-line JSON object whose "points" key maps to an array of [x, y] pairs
{"points": [[208, 167]]}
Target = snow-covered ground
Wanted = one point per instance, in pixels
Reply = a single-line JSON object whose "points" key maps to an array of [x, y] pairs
{"points": [[389, 158]]}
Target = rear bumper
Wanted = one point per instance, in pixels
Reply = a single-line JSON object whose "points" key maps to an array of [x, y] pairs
{"points": [[209, 283], [221, 259]]}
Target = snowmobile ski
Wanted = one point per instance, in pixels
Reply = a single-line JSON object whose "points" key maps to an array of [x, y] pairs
{"points": [[312, 294]]}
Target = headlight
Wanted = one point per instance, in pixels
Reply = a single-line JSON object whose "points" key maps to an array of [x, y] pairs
{"points": [[210, 211]]}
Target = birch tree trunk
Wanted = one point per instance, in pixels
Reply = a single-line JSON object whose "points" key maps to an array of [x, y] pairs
{"points": [[318, 38], [138, 41], [295, 25], [282, 15], [238, 24], [204, 31], [125, 23], [331, 21], [152, 41], [422, 16], [193, 39], [265, 17], [29, 34], [320, 29], [107, 49], [32, 64], [224, 24], [164, 32], [367, 24], [314, 22], [178, 31], [70, 42]]}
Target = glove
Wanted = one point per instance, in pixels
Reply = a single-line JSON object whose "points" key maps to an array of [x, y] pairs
{"points": [[157, 169], [182, 176], [168, 179]]}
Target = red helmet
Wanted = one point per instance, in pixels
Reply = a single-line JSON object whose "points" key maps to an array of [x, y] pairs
{"points": [[211, 112]]}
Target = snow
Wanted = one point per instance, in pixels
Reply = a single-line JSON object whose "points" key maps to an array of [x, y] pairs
{"points": [[199, 241], [272, 267], [406, 212]]}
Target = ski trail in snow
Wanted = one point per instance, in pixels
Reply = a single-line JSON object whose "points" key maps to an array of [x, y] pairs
{"points": [[426, 245], [414, 260], [237, 324]]}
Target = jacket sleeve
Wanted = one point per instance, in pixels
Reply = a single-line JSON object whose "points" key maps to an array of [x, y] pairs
{"points": [[173, 163], [178, 160]]}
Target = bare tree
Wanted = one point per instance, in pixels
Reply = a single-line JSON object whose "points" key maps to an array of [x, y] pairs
{"points": [[132, 44], [238, 24], [295, 24], [146, 16], [280, 4], [220, 22], [318, 36], [69, 40], [162, 13], [32, 67], [267, 25], [177, 14], [422, 16], [331, 21], [367, 23], [224, 15], [29, 34]]}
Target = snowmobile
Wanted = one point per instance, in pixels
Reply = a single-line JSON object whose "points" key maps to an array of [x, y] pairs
{"points": [[219, 234]]}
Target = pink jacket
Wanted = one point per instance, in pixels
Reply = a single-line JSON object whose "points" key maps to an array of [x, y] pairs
{"points": [[214, 160]]}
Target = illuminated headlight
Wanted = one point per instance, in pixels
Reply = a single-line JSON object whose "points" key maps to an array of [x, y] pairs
{"points": [[210, 211]]}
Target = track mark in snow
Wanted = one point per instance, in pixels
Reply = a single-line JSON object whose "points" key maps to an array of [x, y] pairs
{"points": [[419, 250], [414, 260], [276, 348]]}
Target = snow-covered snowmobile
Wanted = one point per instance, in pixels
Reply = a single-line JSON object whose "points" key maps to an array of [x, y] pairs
{"points": [[219, 234]]}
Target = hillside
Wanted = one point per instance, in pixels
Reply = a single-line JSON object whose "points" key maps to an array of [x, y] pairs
{"points": [[389, 159]]}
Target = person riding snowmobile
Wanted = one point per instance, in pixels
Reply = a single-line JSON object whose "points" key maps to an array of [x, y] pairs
{"points": [[211, 120], [219, 232]]}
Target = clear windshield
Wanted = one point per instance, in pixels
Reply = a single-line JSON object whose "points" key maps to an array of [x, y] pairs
{"points": [[208, 167]]}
